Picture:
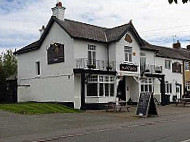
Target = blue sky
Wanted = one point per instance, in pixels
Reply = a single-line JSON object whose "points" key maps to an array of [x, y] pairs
{"points": [[156, 21]]}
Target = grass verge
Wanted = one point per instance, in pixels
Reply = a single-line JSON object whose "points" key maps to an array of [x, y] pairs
{"points": [[37, 108]]}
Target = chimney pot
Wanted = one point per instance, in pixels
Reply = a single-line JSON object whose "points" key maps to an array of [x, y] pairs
{"points": [[59, 11]]}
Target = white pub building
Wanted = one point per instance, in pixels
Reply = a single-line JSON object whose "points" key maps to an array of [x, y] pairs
{"points": [[85, 66]]}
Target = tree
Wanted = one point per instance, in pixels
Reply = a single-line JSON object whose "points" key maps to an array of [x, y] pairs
{"points": [[8, 63], [171, 1]]}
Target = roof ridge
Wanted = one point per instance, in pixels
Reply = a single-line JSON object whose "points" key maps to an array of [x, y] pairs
{"points": [[84, 23]]}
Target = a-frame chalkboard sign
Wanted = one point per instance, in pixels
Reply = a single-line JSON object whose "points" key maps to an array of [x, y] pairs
{"points": [[146, 105]]}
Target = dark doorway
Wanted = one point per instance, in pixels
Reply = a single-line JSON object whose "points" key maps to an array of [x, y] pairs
{"points": [[121, 89]]}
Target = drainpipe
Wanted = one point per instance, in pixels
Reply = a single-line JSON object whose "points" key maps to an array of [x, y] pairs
{"points": [[107, 45], [183, 77]]}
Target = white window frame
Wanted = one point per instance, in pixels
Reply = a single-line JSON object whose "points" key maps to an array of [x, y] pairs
{"points": [[168, 88], [91, 54], [187, 85], [149, 82], [168, 64], [103, 79], [187, 66], [128, 54]]}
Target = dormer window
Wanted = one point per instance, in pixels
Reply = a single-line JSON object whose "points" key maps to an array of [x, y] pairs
{"points": [[128, 53]]}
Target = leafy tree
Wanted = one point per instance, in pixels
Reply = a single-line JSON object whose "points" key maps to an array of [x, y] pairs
{"points": [[171, 1], [9, 63]]}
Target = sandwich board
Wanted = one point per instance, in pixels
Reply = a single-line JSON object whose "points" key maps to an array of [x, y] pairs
{"points": [[146, 105]]}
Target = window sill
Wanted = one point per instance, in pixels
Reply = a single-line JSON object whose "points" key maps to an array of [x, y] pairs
{"points": [[38, 76], [100, 96]]}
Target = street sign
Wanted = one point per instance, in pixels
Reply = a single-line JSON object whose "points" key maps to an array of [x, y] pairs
{"points": [[146, 105]]}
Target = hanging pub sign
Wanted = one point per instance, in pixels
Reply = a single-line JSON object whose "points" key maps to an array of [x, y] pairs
{"points": [[128, 67], [55, 53], [146, 105]]}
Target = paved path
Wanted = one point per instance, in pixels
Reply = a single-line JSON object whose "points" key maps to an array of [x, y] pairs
{"points": [[28, 128]]}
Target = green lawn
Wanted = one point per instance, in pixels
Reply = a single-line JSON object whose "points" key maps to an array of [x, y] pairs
{"points": [[37, 108]]}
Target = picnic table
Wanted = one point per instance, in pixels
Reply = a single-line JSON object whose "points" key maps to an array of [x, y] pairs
{"points": [[117, 106], [183, 101]]}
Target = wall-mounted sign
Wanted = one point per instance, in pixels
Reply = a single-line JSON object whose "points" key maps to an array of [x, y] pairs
{"points": [[128, 67], [128, 38], [55, 53]]}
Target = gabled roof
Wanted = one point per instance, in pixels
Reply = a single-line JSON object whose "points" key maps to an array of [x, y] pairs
{"points": [[85, 31], [166, 52]]}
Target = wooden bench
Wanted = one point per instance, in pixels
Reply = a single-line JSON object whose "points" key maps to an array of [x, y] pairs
{"points": [[117, 106], [184, 101]]}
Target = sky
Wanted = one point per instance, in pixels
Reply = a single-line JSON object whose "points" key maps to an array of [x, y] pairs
{"points": [[156, 21]]}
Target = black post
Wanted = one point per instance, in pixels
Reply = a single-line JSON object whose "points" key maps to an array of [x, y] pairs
{"points": [[83, 106], [163, 100]]}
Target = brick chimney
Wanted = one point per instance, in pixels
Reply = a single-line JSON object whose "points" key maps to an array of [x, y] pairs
{"points": [[177, 45], [59, 11]]}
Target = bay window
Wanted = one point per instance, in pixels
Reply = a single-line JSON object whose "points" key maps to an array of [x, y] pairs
{"points": [[100, 86]]}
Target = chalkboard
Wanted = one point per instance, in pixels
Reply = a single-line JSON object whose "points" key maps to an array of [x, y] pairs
{"points": [[146, 105]]}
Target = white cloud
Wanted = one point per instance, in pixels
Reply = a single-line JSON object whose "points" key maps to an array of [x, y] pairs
{"points": [[148, 17]]}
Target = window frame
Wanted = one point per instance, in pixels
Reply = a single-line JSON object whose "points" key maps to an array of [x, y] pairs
{"points": [[91, 54], [38, 68], [187, 85], [128, 54], [187, 66], [105, 80], [149, 83], [168, 64], [168, 88]]}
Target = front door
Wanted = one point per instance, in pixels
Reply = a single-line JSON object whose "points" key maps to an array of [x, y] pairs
{"points": [[121, 89], [178, 92]]}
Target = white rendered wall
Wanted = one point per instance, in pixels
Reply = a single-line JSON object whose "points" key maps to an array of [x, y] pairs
{"points": [[81, 49], [120, 58], [53, 83], [169, 75]]}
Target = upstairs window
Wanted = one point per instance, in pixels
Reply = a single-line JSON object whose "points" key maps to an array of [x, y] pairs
{"points": [[142, 61], [187, 66], [38, 68], [167, 64], [128, 53], [91, 55], [176, 67]]}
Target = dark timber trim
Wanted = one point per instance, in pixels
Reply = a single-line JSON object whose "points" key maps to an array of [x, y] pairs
{"points": [[161, 78], [83, 106], [94, 71]]}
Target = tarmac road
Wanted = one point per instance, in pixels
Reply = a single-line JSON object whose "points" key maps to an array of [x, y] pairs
{"points": [[173, 125], [173, 130]]}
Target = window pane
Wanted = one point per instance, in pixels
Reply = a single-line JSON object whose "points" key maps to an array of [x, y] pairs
{"points": [[126, 56], [150, 88], [170, 88], [130, 57], [106, 89], [146, 88], [101, 91], [142, 88], [111, 90], [92, 89]]}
